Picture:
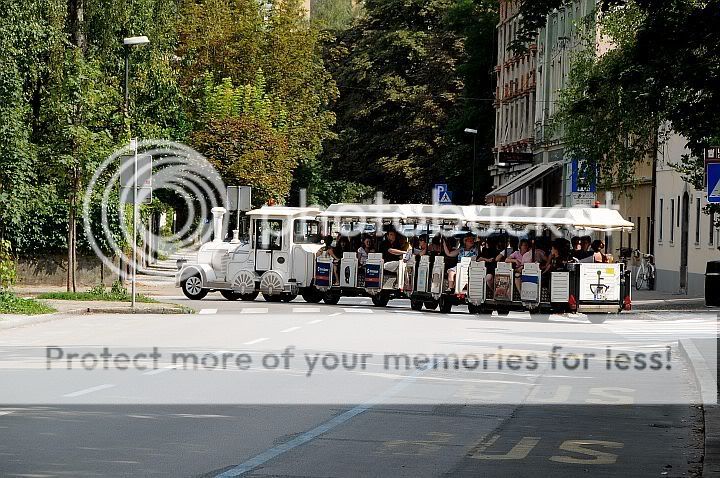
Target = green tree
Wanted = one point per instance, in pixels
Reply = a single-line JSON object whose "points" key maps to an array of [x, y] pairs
{"points": [[243, 134], [402, 75], [335, 15]]}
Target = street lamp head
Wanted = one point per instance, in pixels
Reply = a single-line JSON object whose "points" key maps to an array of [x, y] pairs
{"points": [[470, 130], [135, 41]]}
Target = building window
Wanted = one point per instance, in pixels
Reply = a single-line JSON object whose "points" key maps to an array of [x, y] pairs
{"points": [[711, 229], [672, 220], [660, 222], [639, 233], [647, 237], [697, 221]]}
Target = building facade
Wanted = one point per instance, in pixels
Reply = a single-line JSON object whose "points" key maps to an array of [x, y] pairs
{"points": [[514, 102], [686, 237]]}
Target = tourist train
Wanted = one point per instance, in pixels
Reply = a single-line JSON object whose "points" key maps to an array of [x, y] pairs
{"points": [[485, 257]]}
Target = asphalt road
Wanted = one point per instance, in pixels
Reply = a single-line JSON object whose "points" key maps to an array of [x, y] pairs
{"points": [[509, 420]]}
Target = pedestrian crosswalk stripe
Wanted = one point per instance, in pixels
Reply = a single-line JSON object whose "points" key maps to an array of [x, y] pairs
{"points": [[353, 310], [254, 310], [207, 311], [312, 310]]}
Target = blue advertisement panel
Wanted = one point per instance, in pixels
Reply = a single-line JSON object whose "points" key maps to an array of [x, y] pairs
{"points": [[372, 276], [322, 274]]}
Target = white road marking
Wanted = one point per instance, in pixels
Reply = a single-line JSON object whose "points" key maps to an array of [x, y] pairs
{"points": [[254, 310], [312, 310], [159, 370], [289, 329], [335, 314], [256, 341], [85, 391], [5, 413], [316, 321], [352, 310], [207, 311]]}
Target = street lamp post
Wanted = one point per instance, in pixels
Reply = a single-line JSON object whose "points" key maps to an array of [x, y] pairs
{"points": [[129, 43], [474, 133]]}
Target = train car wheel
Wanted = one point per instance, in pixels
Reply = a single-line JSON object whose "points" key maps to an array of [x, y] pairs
{"points": [[431, 304], [380, 300], [331, 298]]}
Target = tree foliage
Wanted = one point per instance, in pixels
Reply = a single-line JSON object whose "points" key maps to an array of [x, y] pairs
{"points": [[401, 81]]}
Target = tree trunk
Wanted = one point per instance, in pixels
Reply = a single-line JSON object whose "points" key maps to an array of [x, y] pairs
{"points": [[75, 22]]}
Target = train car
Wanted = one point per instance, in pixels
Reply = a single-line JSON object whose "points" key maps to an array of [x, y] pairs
{"points": [[593, 288], [346, 276]]}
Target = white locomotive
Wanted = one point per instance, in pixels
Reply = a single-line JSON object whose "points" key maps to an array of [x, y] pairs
{"points": [[278, 261]]}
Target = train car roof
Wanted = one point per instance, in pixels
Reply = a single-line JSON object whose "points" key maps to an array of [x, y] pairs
{"points": [[365, 211], [284, 211], [594, 219]]}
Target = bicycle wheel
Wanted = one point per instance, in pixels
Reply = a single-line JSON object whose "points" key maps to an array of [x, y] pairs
{"points": [[640, 277], [651, 276]]}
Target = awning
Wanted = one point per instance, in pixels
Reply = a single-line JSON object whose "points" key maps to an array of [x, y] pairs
{"points": [[525, 179]]}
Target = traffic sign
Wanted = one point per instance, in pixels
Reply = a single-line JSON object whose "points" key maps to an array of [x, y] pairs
{"points": [[445, 198], [441, 195], [713, 182]]}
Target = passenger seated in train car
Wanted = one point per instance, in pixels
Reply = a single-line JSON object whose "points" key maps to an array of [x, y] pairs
{"points": [[516, 259], [328, 250], [557, 261], [393, 249], [468, 249], [435, 246], [367, 247], [598, 249], [584, 254], [537, 245], [488, 253], [574, 244], [422, 248]]}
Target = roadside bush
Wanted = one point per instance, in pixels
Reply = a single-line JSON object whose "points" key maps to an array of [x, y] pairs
{"points": [[8, 273]]}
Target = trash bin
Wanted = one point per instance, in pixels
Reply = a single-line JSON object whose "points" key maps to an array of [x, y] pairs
{"points": [[712, 283]]}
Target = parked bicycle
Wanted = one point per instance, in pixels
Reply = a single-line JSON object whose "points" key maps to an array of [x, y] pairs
{"points": [[646, 272]]}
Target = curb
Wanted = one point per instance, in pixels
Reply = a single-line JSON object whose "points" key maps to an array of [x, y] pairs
{"points": [[39, 319], [711, 412]]}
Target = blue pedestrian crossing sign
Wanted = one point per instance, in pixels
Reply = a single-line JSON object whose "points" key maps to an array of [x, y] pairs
{"points": [[713, 182], [441, 195]]}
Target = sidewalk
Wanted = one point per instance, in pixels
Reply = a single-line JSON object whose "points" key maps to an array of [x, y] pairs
{"points": [[654, 300], [702, 355]]}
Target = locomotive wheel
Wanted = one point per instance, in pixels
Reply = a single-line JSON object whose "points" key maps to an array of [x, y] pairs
{"points": [[249, 297], [230, 295], [192, 288], [271, 298]]}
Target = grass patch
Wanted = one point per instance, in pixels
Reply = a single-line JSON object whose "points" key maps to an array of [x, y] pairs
{"points": [[85, 296], [116, 294], [11, 304]]}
